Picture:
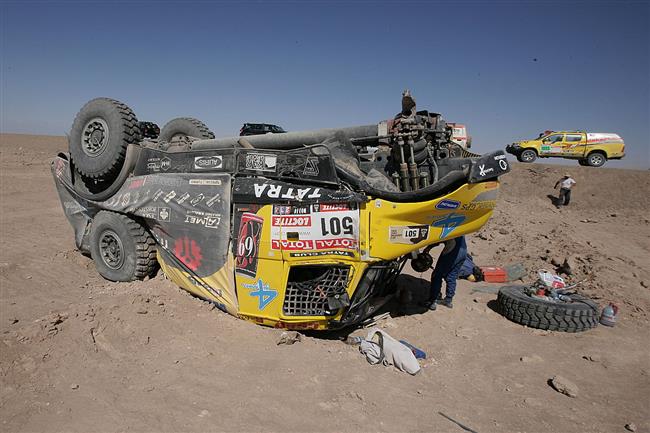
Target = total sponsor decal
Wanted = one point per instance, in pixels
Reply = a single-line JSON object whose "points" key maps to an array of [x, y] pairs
{"points": [[448, 223], [310, 244], [205, 219], [323, 253], [447, 204], [408, 234], [208, 162], [263, 292]]}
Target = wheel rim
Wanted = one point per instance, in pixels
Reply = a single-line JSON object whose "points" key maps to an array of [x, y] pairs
{"points": [[596, 159], [94, 137], [111, 249], [527, 156]]}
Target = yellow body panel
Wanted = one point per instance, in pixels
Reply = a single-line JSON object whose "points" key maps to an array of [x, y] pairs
{"points": [[386, 231]]}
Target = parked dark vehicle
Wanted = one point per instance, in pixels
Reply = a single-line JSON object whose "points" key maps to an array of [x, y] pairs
{"points": [[149, 130], [260, 128]]}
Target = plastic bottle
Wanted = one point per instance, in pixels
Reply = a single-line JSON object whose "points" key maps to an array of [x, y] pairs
{"points": [[608, 316], [419, 353], [353, 340]]}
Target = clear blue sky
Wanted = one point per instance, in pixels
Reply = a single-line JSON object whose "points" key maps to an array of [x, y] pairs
{"points": [[506, 69]]}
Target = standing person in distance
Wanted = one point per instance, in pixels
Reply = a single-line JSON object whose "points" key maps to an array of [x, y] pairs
{"points": [[565, 184]]}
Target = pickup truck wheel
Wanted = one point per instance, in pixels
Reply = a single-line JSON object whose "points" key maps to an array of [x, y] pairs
{"points": [[122, 249], [578, 315], [527, 155], [183, 127], [99, 137], [596, 159]]}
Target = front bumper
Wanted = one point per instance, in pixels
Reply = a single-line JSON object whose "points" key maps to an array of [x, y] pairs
{"points": [[513, 149]]}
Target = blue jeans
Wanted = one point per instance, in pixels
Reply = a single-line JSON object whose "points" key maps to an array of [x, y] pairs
{"points": [[447, 268]]}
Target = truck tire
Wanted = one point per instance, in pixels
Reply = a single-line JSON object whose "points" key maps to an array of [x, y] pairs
{"points": [[122, 249], [100, 135], [182, 127], [527, 155], [596, 159], [579, 315]]}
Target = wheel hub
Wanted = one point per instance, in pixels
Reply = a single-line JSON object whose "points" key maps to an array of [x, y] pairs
{"points": [[111, 249], [94, 137], [596, 159]]}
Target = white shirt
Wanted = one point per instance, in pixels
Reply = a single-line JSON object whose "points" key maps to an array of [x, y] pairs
{"points": [[567, 183]]}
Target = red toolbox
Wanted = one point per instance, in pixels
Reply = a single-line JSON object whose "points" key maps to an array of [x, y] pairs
{"points": [[494, 274]]}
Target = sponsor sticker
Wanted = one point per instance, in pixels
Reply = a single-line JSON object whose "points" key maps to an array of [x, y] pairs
{"points": [[479, 205], [248, 243], [447, 204], [208, 162], [266, 190], [320, 226], [205, 182], [448, 223], [323, 253], [263, 292], [261, 162], [188, 252], [159, 164], [408, 234], [311, 166], [484, 171], [291, 221], [205, 219], [290, 210]]}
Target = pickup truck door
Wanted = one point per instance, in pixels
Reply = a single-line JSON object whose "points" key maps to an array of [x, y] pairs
{"points": [[574, 144], [552, 145]]}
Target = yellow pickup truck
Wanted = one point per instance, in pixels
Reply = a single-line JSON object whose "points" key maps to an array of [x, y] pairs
{"points": [[589, 148]]}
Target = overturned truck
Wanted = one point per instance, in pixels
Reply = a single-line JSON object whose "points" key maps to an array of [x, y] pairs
{"points": [[302, 230]]}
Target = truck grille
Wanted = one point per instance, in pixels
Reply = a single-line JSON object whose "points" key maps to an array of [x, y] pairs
{"points": [[316, 290]]}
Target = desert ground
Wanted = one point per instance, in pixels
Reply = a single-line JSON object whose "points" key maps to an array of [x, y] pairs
{"points": [[82, 354]]}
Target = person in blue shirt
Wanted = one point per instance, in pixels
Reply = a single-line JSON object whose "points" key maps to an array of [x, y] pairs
{"points": [[447, 268]]}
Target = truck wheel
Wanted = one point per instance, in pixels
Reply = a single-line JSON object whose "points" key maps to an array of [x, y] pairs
{"points": [[527, 155], [182, 127], [122, 249], [579, 315], [596, 159], [100, 135]]}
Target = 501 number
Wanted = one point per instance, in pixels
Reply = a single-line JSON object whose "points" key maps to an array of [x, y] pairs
{"points": [[337, 226]]}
